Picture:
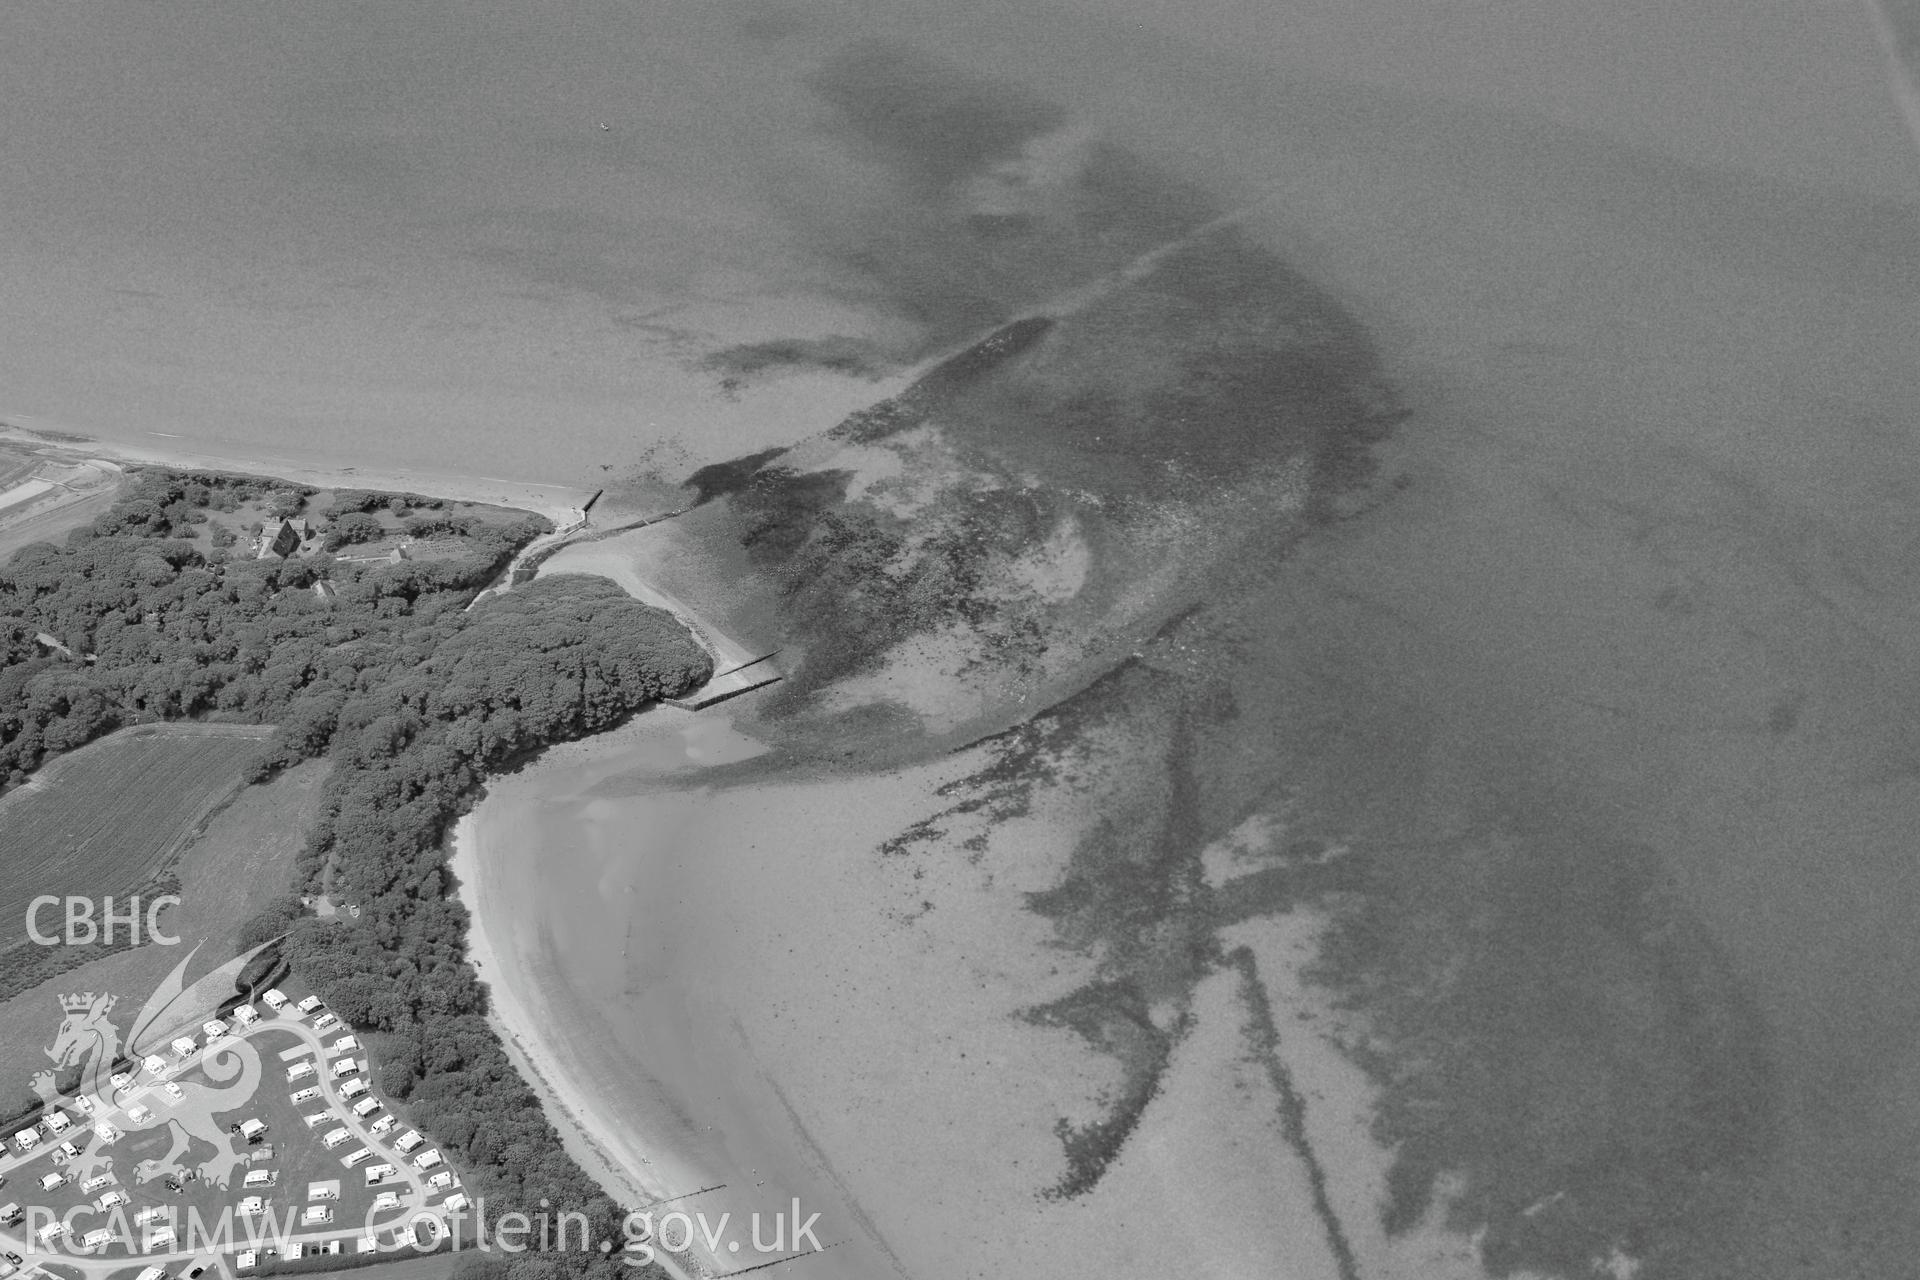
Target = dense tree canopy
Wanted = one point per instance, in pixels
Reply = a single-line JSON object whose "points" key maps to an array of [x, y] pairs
{"points": [[413, 697]]}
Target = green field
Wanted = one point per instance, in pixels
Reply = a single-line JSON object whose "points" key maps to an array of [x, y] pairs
{"points": [[103, 819], [243, 860]]}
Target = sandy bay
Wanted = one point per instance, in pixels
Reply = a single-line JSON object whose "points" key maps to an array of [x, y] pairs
{"points": [[1653, 555]]}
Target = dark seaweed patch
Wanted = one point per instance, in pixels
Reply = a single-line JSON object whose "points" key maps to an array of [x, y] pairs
{"points": [[934, 124], [722, 478], [780, 508], [940, 384], [1112, 1017], [739, 365]]}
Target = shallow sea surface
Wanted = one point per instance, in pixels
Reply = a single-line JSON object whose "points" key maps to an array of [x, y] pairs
{"points": [[1569, 785]]}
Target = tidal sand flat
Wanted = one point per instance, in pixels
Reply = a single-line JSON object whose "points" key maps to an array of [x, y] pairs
{"points": [[1343, 573], [1435, 756]]}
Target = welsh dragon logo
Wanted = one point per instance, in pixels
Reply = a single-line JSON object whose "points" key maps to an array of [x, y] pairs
{"points": [[89, 1040]]}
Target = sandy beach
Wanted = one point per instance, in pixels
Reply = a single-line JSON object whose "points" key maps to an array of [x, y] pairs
{"points": [[557, 503], [732, 993], [1609, 699]]}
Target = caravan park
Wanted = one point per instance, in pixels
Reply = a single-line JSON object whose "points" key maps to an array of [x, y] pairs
{"points": [[245, 1142]]}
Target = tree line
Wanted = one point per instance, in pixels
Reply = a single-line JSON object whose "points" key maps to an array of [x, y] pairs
{"points": [[412, 698]]}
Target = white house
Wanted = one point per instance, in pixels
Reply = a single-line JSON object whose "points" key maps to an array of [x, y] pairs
{"points": [[274, 999]]}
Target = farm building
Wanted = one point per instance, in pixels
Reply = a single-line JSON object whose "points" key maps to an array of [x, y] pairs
{"points": [[281, 542]]}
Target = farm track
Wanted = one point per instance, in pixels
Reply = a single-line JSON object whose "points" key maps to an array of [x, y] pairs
{"points": [[106, 818]]}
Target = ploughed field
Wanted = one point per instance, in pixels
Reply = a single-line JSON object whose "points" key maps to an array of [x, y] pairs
{"points": [[105, 818]]}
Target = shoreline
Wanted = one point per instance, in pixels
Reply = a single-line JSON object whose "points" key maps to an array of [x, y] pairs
{"points": [[562, 504], [634, 1175]]}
